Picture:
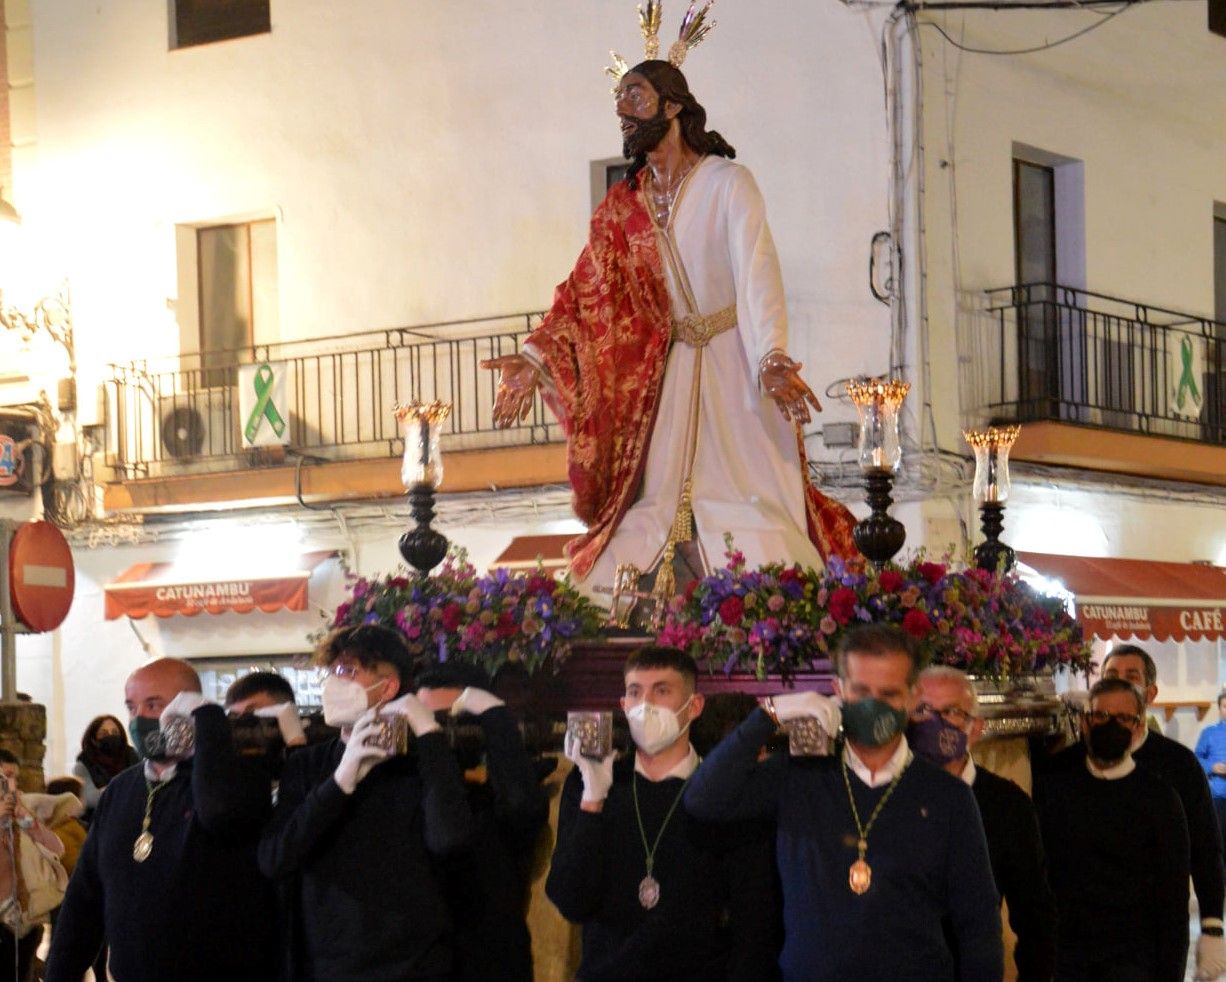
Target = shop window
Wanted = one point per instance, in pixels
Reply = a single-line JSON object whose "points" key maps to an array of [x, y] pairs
{"points": [[194, 22]]}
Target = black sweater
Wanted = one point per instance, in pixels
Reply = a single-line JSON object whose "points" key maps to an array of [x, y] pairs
{"points": [[1118, 864], [717, 917], [1020, 870], [370, 906], [1178, 767], [197, 908], [487, 883]]}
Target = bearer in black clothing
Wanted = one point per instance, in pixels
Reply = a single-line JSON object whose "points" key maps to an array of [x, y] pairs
{"points": [[945, 725], [168, 877], [1118, 853], [1178, 766], [361, 826], [487, 883], [660, 895]]}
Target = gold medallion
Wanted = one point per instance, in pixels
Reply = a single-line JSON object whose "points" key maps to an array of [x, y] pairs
{"points": [[649, 892], [860, 876], [143, 846]]}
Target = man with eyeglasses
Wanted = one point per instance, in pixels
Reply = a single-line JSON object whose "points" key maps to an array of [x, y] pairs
{"points": [[359, 826], [944, 726], [1117, 846], [1179, 767]]}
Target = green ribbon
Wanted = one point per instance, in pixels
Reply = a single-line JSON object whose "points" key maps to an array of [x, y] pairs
{"points": [[1187, 380], [264, 407]]}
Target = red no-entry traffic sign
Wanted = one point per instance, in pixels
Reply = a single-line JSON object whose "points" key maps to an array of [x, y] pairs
{"points": [[41, 577]]}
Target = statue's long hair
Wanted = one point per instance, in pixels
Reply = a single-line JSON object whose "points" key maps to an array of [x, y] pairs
{"points": [[671, 86]]}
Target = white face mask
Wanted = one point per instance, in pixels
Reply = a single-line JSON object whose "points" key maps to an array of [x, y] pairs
{"points": [[345, 700], [653, 728]]}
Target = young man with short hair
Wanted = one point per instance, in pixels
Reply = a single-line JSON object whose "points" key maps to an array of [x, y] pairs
{"points": [[878, 852], [487, 883], [361, 827], [660, 895], [1118, 851]]}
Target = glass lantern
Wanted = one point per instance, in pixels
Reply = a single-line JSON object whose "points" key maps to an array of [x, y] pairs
{"points": [[423, 460], [991, 448], [878, 401]]}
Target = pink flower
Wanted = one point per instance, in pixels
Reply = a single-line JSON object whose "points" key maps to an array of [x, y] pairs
{"points": [[827, 625], [776, 602]]}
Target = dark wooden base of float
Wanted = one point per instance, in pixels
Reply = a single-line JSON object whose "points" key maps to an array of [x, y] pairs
{"points": [[591, 679]]}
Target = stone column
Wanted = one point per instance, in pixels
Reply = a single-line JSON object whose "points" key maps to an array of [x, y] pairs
{"points": [[23, 732]]}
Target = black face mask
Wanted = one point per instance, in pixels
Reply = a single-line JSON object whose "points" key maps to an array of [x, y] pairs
{"points": [[1108, 742], [113, 745]]}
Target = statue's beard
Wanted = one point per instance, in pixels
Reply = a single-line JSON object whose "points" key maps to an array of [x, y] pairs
{"points": [[646, 135]]}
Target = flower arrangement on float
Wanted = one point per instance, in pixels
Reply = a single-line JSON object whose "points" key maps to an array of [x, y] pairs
{"points": [[525, 618], [779, 620]]}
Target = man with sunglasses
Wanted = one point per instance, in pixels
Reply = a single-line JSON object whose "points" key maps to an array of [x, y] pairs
{"points": [[945, 725], [359, 827], [1117, 844]]}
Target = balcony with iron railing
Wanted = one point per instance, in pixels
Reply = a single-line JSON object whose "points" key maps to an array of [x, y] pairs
{"points": [[177, 418], [1062, 359]]}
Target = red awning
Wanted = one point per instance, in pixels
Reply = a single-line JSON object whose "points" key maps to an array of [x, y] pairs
{"points": [[153, 588], [1139, 597]]}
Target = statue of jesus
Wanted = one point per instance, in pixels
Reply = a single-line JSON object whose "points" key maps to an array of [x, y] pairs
{"points": [[664, 358]]}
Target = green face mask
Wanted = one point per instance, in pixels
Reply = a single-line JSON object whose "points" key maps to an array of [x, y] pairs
{"points": [[872, 723], [141, 729]]}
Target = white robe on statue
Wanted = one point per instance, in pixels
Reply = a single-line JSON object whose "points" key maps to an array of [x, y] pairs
{"points": [[747, 478]]}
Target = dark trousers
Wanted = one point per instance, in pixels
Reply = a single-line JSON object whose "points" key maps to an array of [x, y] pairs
{"points": [[1219, 806], [17, 955]]}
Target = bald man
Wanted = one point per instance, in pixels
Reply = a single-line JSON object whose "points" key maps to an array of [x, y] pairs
{"points": [[167, 877]]}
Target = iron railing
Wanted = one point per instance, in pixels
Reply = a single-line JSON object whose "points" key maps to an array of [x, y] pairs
{"points": [[181, 415], [1067, 354]]}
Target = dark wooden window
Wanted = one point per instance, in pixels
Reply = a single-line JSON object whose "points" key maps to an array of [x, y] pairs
{"points": [[204, 21], [1034, 244], [1217, 17], [1219, 269]]}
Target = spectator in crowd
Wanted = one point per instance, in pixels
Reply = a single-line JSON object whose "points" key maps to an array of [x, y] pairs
{"points": [[659, 893], [104, 754], [1211, 752], [1179, 767], [29, 884], [878, 853], [167, 877], [944, 726], [487, 883], [258, 690], [362, 827], [1117, 846], [60, 809]]}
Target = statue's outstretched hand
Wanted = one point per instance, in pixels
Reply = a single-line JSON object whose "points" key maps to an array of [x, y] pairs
{"points": [[782, 382], [516, 388]]}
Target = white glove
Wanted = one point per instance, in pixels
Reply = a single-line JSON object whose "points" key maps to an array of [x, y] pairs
{"points": [[183, 705], [359, 757], [597, 774], [796, 705], [475, 701], [421, 719], [286, 715], [1210, 957]]}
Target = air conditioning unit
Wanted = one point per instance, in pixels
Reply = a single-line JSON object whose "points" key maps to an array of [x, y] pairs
{"points": [[198, 424]]}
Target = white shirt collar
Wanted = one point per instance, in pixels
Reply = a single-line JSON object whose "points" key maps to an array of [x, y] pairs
{"points": [[682, 769], [968, 772], [893, 767], [1115, 772], [167, 775]]}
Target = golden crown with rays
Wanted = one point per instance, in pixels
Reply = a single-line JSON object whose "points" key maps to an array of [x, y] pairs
{"points": [[694, 28]]}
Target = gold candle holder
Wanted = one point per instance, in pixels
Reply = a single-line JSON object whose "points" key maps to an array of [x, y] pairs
{"points": [[423, 458]]}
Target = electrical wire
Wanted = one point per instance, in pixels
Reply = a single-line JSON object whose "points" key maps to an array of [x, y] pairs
{"points": [[1037, 48]]}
